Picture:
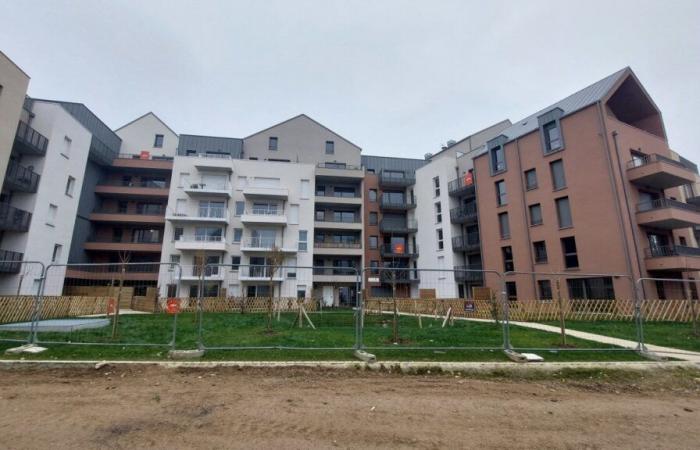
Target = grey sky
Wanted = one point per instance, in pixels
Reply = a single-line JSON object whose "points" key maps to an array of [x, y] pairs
{"points": [[396, 77]]}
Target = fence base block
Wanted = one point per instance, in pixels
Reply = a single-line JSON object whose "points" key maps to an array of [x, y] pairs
{"points": [[523, 357], [651, 355], [364, 356], [26, 348], [185, 354]]}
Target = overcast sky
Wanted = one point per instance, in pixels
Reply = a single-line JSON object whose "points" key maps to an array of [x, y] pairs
{"points": [[398, 78]]}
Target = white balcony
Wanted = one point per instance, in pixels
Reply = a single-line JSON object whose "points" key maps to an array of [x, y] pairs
{"points": [[266, 245], [208, 162], [212, 243], [265, 216], [209, 190], [265, 192], [212, 274], [203, 215], [260, 273]]}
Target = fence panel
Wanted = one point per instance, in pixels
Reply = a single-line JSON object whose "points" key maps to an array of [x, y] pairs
{"points": [[432, 309], [564, 305], [108, 304], [19, 288], [274, 306], [669, 314]]}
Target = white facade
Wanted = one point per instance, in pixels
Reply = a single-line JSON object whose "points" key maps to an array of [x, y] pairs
{"points": [[142, 135]]}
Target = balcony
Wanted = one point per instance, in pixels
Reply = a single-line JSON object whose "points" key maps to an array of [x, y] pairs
{"points": [[471, 274], [266, 216], [328, 221], [136, 216], [398, 251], [676, 258], [136, 189], [21, 179], [398, 276], [266, 245], [143, 161], [464, 214], [660, 172], [260, 273], [28, 141], [391, 204], [339, 170], [391, 180], [667, 214], [330, 198], [113, 272], [330, 275], [461, 188], [213, 161], [144, 245], [10, 262], [201, 242], [14, 219], [209, 190], [398, 227], [338, 248], [254, 192], [207, 273], [203, 215], [469, 243]]}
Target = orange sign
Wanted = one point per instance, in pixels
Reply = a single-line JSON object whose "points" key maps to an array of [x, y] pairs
{"points": [[173, 306], [468, 179], [111, 306], [399, 248], [145, 154]]}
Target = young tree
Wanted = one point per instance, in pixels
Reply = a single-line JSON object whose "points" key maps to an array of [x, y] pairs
{"points": [[275, 260]]}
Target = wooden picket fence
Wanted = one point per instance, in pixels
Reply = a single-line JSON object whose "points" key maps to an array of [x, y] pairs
{"points": [[678, 310], [242, 304], [21, 308]]}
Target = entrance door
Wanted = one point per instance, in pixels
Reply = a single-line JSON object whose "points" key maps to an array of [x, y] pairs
{"points": [[327, 292], [346, 296]]}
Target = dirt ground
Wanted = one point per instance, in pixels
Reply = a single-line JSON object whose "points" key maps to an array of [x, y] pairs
{"points": [[151, 407]]}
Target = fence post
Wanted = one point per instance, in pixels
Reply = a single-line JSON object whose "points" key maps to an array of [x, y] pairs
{"points": [[200, 311], [359, 311], [639, 318], [38, 300], [506, 314], [177, 296], [560, 304]]}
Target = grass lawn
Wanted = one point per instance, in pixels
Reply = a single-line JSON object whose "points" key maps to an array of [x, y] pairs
{"points": [[668, 334], [333, 330]]}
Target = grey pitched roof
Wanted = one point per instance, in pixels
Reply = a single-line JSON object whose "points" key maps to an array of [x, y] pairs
{"points": [[569, 105], [312, 120], [203, 144], [379, 163]]}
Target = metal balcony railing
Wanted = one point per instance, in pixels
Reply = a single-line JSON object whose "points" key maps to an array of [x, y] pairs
{"points": [[341, 166], [14, 219], [398, 275], [337, 271], [394, 226], [393, 250], [468, 242], [393, 203], [213, 213], [661, 251], [333, 194], [137, 240], [144, 157], [136, 184], [30, 141], [463, 214], [10, 262], [461, 187], [640, 161], [20, 178], [201, 238], [390, 179], [266, 243], [341, 219], [331, 244], [147, 211], [264, 211], [100, 152], [471, 273], [661, 203]]}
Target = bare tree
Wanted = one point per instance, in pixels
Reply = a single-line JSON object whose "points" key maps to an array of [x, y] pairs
{"points": [[390, 275], [274, 259], [124, 258]]}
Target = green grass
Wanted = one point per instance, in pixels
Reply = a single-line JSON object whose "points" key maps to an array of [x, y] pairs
{"points": [[668, 334], [333, 330]]}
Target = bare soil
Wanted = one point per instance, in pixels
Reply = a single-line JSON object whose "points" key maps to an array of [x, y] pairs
{"points": [[144, 406]]}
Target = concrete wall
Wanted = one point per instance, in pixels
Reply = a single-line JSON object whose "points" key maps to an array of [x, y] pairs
{"points": [[13, 88], [139, 135]]}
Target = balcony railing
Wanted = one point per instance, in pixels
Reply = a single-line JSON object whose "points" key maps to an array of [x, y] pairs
{"points": [[338, 194], [342, 166], [351, 245], [390, 203], [20, 178], [10, 262], [264, 211], [640, 161], [388, 275], [331, 218], [213, 213], [14, 219], [661, 251], [463, 214], [391, 226], [470, 273], [144, 157], [100, 152], [468, 242], [30, 141], [461, 187], [337, 271], [149, 211], [137, 184], [200, 238], [138, 240], [661, 203], [393, 250], [394, 180], [260, 242]]}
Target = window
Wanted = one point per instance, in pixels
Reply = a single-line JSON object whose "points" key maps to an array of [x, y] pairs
{"points": [[564, 212], [438, 212], [237, 234], [330, 147], [373, 217], [436, 186], [294, 214], [508, 264], [305, 189], [545, 289], [51, 216], [501, 196], [682, 241], [67, 143], [177, 234], [373, 242], [303, 240], [70, 186], [183, 180], [530, 179], [291, 268], [56, 253], [158, 143], [272, 143], [498, 160], [240, 208], [552, 137], [370, 171], [557, 170], [374, 267], [511, 291], [568, 246], [320, 215], [440, 241], [600, 288], [235, 263], [540, 250], [535, 214], [504, 225], [372, 195]]}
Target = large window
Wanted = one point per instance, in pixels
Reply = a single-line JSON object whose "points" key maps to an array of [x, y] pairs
{"points": [[438, 212], [303, 240], [373, 218], [372, 195], [591, 288], [498, 159], [436, 186], [545, 289], [511, 290], [508, 263], [535, 214], [440, 240], [158, 142], [552, 137], [558, 178], [504, 225], [564, 212], [530, 179], [540, 250], [373, 241], [568, 246], [501, 195]]}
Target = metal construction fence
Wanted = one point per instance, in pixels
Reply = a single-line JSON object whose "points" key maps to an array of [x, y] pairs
{"points": [[275, 306]]}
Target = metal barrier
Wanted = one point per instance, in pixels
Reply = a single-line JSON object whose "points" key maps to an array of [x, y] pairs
{"points": [[274, 306], [20, 284], [104, 304]]}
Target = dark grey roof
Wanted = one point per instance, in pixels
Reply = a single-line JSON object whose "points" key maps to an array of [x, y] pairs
{"points": [[203, 144], [379, 163]]}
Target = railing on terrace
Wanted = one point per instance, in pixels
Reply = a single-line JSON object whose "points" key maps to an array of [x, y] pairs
{"points": [[140, 240], [210, 186], [343, 271], [341, 166], [150, 211], [327, 218], [388, 202], [10, 262], [20, 178], [201, 238], [390, 179], [140, 184], [144, 157], [661, 251], [33, 141], [460, 186], [265, 211], [14, 219], [338, 245], [468, 273], [399, 250], [467, 242], [339, 194], [389, 226], [661, 203], [463, 213], [640, 161]]}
